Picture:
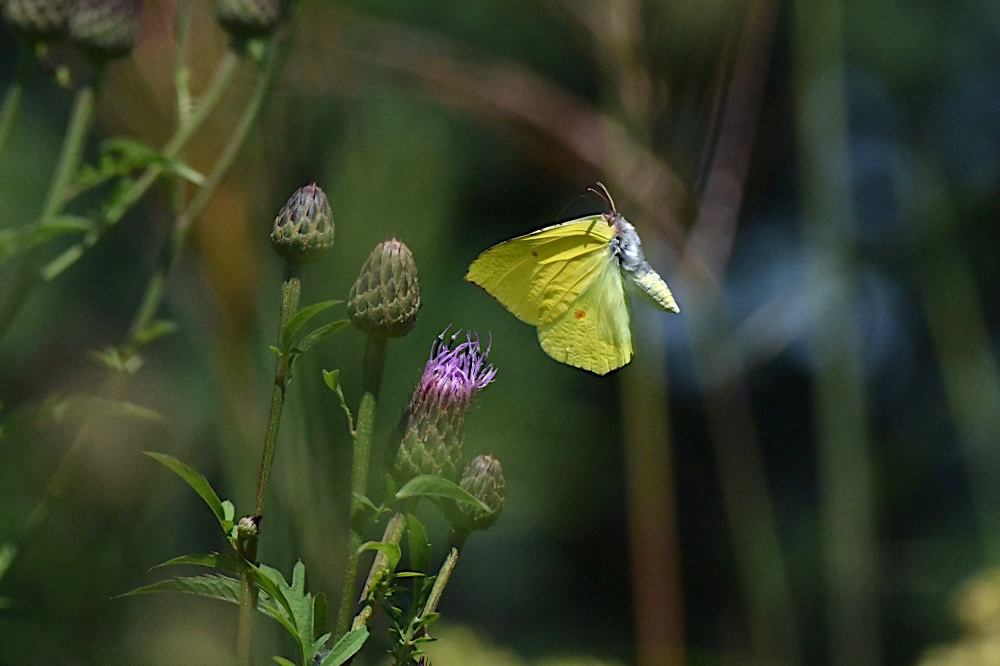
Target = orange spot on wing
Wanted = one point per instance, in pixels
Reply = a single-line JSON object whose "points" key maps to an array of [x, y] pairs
{"points": [[580, 314]]}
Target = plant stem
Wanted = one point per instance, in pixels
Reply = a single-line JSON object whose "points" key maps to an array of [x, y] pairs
{"points": [[15, 93], [848, 505], [393, 534], [69, 160], [374, 366], [182, 224], [72, 148], [441, 581], [290, 291]]}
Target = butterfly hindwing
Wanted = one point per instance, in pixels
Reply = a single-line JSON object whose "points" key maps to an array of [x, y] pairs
{"points": [[539, 275], [594, 333]]}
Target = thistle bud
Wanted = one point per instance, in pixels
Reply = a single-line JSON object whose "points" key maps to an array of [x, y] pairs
{"points": [[303, 229], [251, 18], [385, 298], [434, 421], [105, 28], [247, 530], [483, 479], [37, 19]]}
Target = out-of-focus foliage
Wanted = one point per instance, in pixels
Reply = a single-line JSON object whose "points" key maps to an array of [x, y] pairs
{"points": [[452, 126]]}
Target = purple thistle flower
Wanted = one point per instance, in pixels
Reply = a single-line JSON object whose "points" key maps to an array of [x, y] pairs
{"points": [[454, 374], [434, 421]]}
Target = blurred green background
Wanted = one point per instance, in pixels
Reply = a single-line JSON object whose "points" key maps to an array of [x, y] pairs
{"points": [[801, 468]]}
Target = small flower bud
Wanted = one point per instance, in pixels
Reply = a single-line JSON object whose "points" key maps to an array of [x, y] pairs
{"points": [[433, 425], [105, 28], [385, 298], [303, 229], [38, 19], [247, 527], [483, 479], [247, 530], [251, 18]]}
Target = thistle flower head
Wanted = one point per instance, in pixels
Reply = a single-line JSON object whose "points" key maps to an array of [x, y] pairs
{"points": [[385, 299], [434, 421], [454, 373], [251, 18], [303, 229], [37, 19], [105, 28]]}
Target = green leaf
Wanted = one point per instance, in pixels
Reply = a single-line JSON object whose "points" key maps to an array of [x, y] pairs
{"points": [[348, 646], [116, 361], [420, 549], [283, 661], [123, 408], [14, 241], [8, 552], [68, 257], [154, 330], [226, 563], [431, 485], [319, 614], [390, 550], [304, 315], [320, 333], [198, 483], [211, 586], [332, 380], [299, 605]]}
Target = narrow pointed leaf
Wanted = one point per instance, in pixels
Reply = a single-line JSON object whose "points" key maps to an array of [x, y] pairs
{"points": [[390, 550], [332, 380], [420, 549], [304, 315], [227, 563], [197, 481], [315, 336]]}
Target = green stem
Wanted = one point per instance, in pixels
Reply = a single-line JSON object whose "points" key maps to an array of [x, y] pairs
{"points": [[224, 76], [290, 291], [182, 225], [15, 93], [848, 506], [380, 566], [72, 148], [447, 567], [374, 366], [66, 167]]}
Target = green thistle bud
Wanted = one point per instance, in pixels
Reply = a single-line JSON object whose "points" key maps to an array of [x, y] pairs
{"points": [[303, 229], [434, 422], [483, 479], [105, 28], [251, 18], [38, 19], [385, 298]]}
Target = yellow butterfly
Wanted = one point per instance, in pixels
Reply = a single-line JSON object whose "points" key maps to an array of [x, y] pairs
{"points": [[569, 281]]}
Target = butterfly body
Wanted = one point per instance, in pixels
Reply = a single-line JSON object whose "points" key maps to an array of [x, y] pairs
{"points": [[568, 280]]}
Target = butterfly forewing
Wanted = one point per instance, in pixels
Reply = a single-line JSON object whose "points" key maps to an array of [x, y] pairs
{"points": [[539, 275]]}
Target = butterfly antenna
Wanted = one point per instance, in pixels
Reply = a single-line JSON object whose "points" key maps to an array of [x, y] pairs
{"points": [[604, 194]]}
